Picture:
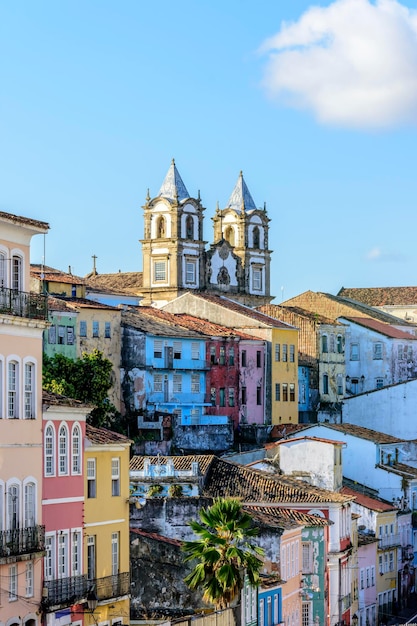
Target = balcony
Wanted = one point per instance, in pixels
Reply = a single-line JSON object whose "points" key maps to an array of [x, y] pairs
{"points": [[23, 304], [74, 590], [20, 541], [389, 541]]}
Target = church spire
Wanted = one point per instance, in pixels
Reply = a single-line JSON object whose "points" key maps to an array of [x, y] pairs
{"points": [[241, 199], [173, 188]]}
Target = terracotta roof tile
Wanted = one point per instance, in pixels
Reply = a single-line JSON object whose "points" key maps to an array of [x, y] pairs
{"points": [[24, 221], [385, 329], [289, 314], [55, 399], [102, 436], [84, 303], [148, 320], [155, 537], [363, 433], [381, 296], [57, 304], [284, 518], [375, 504], [52, 274], [181, 463], [119, 282]]}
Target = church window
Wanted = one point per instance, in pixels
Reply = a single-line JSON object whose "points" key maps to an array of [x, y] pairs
{"points": [[257, 278], [160, 227], [229, 235], [189, 227], [190, 267], [160, 271], [256, 237]]}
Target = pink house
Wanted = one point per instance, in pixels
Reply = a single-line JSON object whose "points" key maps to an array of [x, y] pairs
{"points": [[64, 585]]}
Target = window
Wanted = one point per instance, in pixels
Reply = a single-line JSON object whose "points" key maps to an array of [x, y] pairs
{"points": [[331, 343], [231, 396], [157, 383], [49, 559], [76, 553], [160, 227], [339, 384], [177, 383], [354, 352], [115, 476], [307, 557], [63, 450], [96, 329], [195, 383], [243, 392], [190, 267], [160, 271], [377, 350], [258, 359], [70, 335], [256, 237], [189, 227], [324, 344], [91, 557], [222, 396], [306, 619], [212, 354], [107, 330], [277, 392], [257, 278], [52, 334], [177, 349], [339, 344], [62, 555], [114, 554], [30, 505], [259, 396], [13, 512], [277, 352], [83, 329], [17, 276], [400, 351], [12, 390], [213, 396], [157, 348], [195, 350], [372, 575], [76, 450], [284, 352], [12, 583], [231, 356], [391, 561], [29, 391], [91, 478], [292, 353], [29, 579], [195, 416], [3, 281], [368, 577], [362, 579], [61, 335], [222, 356], [292, 392], [243, 358], [325, 383], [49, 451]]}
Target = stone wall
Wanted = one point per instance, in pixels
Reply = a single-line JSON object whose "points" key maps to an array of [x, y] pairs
{"points": [[203, 438]]}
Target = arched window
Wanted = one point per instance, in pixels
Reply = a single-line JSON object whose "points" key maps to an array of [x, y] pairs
{"points": [[17, 275], [30, 505], [229, 235], [29, 391], [49, 451], [160, 227], [256, 237], [76, 450], [13, 507], [13, 390], [189, 227], [63, 450]]}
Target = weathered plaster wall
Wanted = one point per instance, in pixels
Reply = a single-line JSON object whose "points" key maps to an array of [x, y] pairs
{"points": [[216, 438]]}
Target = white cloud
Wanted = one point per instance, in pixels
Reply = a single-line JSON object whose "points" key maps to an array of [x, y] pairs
{"points": [[353, 63], [376, 254]]}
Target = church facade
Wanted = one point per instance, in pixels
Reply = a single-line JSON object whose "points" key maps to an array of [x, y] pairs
{"points": [[175, 258]]}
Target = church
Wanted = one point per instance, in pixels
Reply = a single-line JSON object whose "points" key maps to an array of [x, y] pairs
{"points": [[175, 258]]}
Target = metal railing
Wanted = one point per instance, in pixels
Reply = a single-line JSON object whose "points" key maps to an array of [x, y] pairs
{"points": [[389, 541], [18, 541], [23, 304], [74, 589]]}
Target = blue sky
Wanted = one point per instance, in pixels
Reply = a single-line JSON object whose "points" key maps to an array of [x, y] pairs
{"points": [[315, 102]]}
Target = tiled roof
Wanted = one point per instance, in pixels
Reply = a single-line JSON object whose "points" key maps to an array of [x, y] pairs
{"points": [[261, 320], [129, 283], [280, 431], [363, 433], [57, 304], [149, 320], [84, 303], [385, 329], [289, 314], [181, 463], [284, 518], [102, 436], [408, 471], [209, 328], [227, 479], [364, 540], [155, 536], [51, 274], [55, 399], [305, 438], [381, 296], [24, 221], [241, 199], [335, 306], [173, 186], [375, 504]]}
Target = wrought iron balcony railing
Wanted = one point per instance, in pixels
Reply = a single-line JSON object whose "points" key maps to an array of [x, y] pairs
{"points": [[23, 304], [19, 541], [75, 589], [112, 586]]}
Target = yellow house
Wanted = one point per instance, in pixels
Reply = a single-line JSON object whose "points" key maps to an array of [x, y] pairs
{"points": [[106, 534], [45, 279], [284, 375]]}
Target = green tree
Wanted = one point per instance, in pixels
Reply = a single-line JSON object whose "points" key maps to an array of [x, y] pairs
{"points": [[224, 551], [87, 379]]}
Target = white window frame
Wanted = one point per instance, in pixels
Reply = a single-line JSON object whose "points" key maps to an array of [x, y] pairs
{"points": [[13, 369], [29, 390], [190, 271], [76, 552], [158, 383], [91, 478], [62, 554], [195, 383], [115, 476], [177, 383], [115, 553], [76, 465], [49, 450], [13, 583], [63, 450], [29, 512], [49, 558], [257, 284], [160, 271], [29, 579], [195, 350]]}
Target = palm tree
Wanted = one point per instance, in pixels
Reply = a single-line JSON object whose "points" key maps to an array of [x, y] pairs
{"points": [[223, 551]]}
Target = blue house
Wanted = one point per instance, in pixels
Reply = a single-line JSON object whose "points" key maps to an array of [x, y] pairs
{"points": [[269, 603]]}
